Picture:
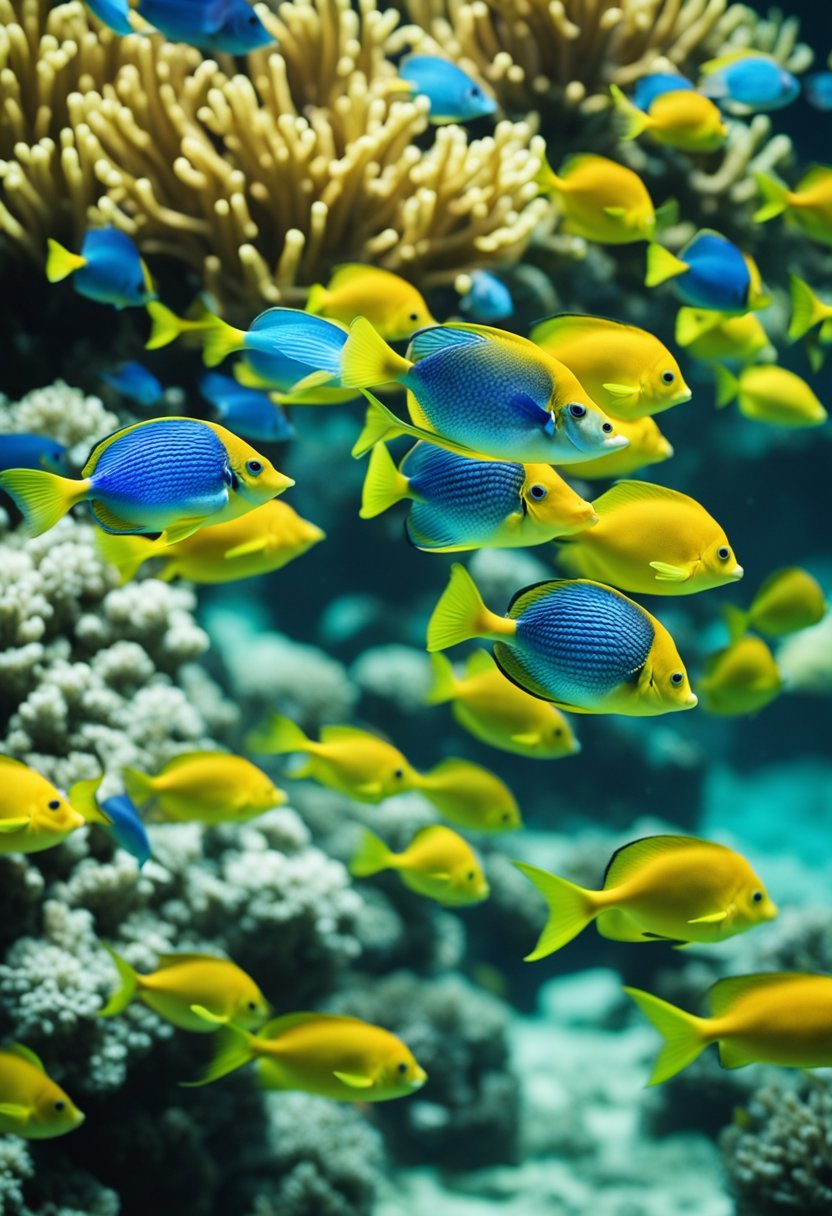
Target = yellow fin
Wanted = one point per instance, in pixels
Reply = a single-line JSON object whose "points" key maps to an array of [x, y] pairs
{"points": [[685, 1036], [353, 1080], [221, 340], [460, 614], [11, 1110], [775, 196], [479, 663], [233, 1050], [807, 310], [313, 380], [277, 737], [127, 553], [693, 323], [181, 531], [42, 498], [713, 918], [620, 390], [384, 484], [632, 121], [247, 548], [662, 265], [444, 687], [165, 326], [82, 798], [371, 857], [630, 857], [727, 386], [666, 573], [25, 1053], [723, 61], [60, 262], [628, 490], [317, 300], [215, 1019], [14, 825], [367, 360], [571, 909], [128, 983]]}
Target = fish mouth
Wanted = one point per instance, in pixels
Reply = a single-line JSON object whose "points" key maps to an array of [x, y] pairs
{"points": [[691, 702], [736, 573], [419, 1079], [682, 397]]}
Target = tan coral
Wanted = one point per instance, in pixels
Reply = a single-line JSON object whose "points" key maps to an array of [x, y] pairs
{"points": [[259, 182]]}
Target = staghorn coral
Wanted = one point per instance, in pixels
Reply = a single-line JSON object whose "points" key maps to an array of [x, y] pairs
{"points": [[259, 182]]}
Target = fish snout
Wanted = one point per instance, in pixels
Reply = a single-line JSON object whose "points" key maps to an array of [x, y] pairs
{"points": [[736, 573], [78, 1118], [691, 701], [683, 395], [419, 1077]]}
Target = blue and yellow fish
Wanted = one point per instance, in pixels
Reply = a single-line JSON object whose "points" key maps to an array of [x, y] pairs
{"points": [[710, 272], [453, 95], [246, 411], [108, 269], [32, 452], [682, 119], [656, 84], [748, 82], [168, 475], [115, 14], [136, 383], [579, 644], [230, 26]]}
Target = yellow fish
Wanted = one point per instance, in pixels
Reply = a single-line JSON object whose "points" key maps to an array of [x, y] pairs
{"points": [[437, 863], [601, 200], [660, 888], [212, 787], [192, 991], [166, 327], [34, 816], [652, 541], [808, 206], [393, 306], [499, 713], [787, 601], [713, 336], [626, 370], [808, 311], [31, 1104], [741, 679], [264, 540], [681, 118], [321, 1053], [776, 1018], [770, 394], [646, 445], [470, 796], [346, 759]]}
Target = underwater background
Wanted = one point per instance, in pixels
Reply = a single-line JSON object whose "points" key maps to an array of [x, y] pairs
{"points": [[250, 179]]}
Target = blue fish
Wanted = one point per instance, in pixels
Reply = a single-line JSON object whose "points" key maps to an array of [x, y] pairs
{"points": [[656, 85], [246, 411], [112, 13], [489, 299], [453, 95], [32, 452], [127, 829], [136, 383], [231, 26], [108, 269], [750, 80], [818, 90], [168, 475], [710, 272], [283, 347]]}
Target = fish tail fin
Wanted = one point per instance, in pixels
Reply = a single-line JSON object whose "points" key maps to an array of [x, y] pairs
{"points": [[384, 485], [546, 179], [571, 909], [128, 983], [82, 798], [60, 262], [278, 736], [807, 310], [42, 498], [220, 341], [775, 198], [460, 613], [126, 553], [165, 326], [736, 621], [138, 785], [367, 360], [631, 121], [662, 265], [380, 424], [372, 856], [444, 681], [684, 1035], [233, 1050], [317, 300], [692, 323], [727, 386]]}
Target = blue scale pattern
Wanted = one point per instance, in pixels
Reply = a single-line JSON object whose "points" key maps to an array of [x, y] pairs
{"points": [[180, 464], [468, 497]]}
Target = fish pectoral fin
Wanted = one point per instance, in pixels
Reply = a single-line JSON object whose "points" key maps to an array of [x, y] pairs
{"points": [[713, 918], [615, 213], [313, 380], [619, 390], [536, 414], [528, 740], [10, 1110], [249, 547], [182, 531], [354, 1080], [216, 1019], [14, 825], [370, 789], [731, 1056], [667, 573]]}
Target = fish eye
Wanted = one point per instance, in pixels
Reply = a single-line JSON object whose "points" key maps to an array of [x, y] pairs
{"points": [[399, 772], [505, 817], [60, 1104], [54, 805], [606, 427], [538, 492], [668, 377], [757, 897], [577, 410], [254, 467], [252, 1006], [403, 1067], [253, 19], [723, 553], [676, 679], [558, 732], [471, 875], [414, 316]]}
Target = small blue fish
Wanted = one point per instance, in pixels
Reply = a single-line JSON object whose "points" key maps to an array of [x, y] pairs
{"points": [[750, 80], [127, 829], [283, 346], [231, 26], [453, 95], [246, 411], [108, 269], [488, 300], [710, 272], [136, 383], [818, 90], [112, 13], [32, 452], [658, 83]]}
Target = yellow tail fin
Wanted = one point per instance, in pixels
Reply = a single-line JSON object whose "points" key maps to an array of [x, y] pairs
{"points": [[727, 386], [372, 856], [384, 485], [736, 620], [444, 681], [685, 1036], [546, 180], [233, 1051], [42, 498], [60, 262], [123, 995], [807, 310], [317, 301], [139, 786], [775, 198], [571, 909], [631, 121], [461, 614], [380, 424], [221, 340], [278, 736], [82, 798], [662, 265], [165, 326], [126, 553], [367, 361]]}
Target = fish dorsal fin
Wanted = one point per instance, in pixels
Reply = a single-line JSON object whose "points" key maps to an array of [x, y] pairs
{"points": [[166, 961], [25, 1053], [440, 338], [335, 734], [290, 1021], [100, 448], [568, 325], [630, 857], [187, 758], [818, 175], [577, 160], [11, 761], [632, 492], [511, 666], [724, 994], [694, 323], [480, 663]]}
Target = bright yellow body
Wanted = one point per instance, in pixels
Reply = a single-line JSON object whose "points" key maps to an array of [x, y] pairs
{"points": [[499, 713], [741, 679], [33, 815], [31, 1104], [260, 542], [771, 394], [712, 336], [471, 796], [627, 371], [212, 787], [808, 206], [682, 119], [437, 863], [394, 306], [652, 541], [601, 200], [647, 445], [790, 599], [675, 888], [346, 759]]}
